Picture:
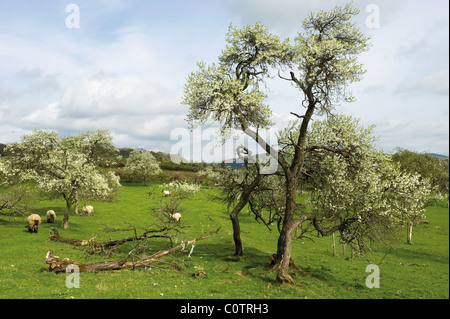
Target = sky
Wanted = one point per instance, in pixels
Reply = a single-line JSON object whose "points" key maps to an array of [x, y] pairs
{"points": [[73, 66]]}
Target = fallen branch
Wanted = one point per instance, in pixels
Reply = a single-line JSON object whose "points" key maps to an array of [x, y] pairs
{"points": [[55, 236], [57, 264]]}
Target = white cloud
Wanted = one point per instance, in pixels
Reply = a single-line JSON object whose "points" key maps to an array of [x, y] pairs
{"points": [[435, 83], [424, 137], [125, 68], [43, 117], [117, 94]]}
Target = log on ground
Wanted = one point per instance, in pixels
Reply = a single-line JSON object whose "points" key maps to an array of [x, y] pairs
{"points": [[57, 264]]}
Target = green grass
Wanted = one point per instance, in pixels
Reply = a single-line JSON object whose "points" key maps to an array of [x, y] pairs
{"points": [[406, 271]]}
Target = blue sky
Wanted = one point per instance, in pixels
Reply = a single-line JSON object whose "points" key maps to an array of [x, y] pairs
{"points": [[124, 68]]}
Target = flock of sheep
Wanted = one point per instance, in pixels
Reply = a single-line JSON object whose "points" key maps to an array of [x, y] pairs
{"points": [[34, 220]]}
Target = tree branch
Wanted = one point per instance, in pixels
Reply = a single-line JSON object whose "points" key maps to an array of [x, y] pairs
{"points": [[57, 264], [343, 152]]}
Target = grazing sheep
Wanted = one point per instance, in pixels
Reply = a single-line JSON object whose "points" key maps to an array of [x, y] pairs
{"points": [[88, 210], [50, 216], [176, 217], [33, 223], [166, 193]]}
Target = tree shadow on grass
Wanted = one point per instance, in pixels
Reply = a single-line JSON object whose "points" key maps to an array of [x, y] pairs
{"points": [[254, 263], [412, 254]]}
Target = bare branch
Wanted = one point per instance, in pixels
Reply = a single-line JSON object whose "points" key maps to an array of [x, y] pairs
{"points": [[299, 116], [57, 264]]}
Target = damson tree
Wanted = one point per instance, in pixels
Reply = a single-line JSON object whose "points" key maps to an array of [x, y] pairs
{"points": [[4, 172], [66, 166], [141, 165], [364, 196], [434, 169], [320, 63]]}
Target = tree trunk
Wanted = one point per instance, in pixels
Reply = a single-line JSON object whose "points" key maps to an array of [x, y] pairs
{"points": [[243, 200], [409, 228], [285, 240], [239, 249], [65, 223], [334, 246], [291, 175], [75, 210]]}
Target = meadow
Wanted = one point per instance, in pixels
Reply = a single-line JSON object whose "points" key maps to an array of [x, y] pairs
{"points": [[407, 271]]}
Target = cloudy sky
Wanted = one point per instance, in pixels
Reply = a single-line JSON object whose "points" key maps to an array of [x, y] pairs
{"points": [[122, 66]]}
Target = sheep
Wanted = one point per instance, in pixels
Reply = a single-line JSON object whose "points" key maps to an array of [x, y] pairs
{"points": [[33, 223], [170, 185], [166, 193], [88, 210], [176, 217], [50, 216]]}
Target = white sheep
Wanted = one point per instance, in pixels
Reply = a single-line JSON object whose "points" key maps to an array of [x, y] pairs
{"points": [[176, 217], [170, 185], [88, 210], [50, 216], [166, 193], [33, 223]]}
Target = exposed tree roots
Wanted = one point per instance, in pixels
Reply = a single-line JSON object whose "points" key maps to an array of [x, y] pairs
{"points": [[283, 277]]}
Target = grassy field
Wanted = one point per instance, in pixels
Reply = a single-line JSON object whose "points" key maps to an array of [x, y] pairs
{"points": [[406, 271]]}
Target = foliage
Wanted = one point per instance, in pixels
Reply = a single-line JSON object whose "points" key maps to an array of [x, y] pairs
{"points": [[228, 92], [66, 166], [427, 166], [181, 189], [5, 172], [16, 200], [141, 166], [325, 56], [365, 194]]}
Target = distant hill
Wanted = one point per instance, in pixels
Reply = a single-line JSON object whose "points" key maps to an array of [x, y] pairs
{"points": [[234, 163], [237, 163], [160, 156], [438, 156]]}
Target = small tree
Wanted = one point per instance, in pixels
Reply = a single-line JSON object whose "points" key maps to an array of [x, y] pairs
{"points": [[141, 166], [434, 169], [246, 186], [65, 166], [237, 186]]}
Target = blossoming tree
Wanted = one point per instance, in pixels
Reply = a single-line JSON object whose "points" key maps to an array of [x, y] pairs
{"points": [[365, 197], [66, 166], [141, 165], [321, 63]]}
